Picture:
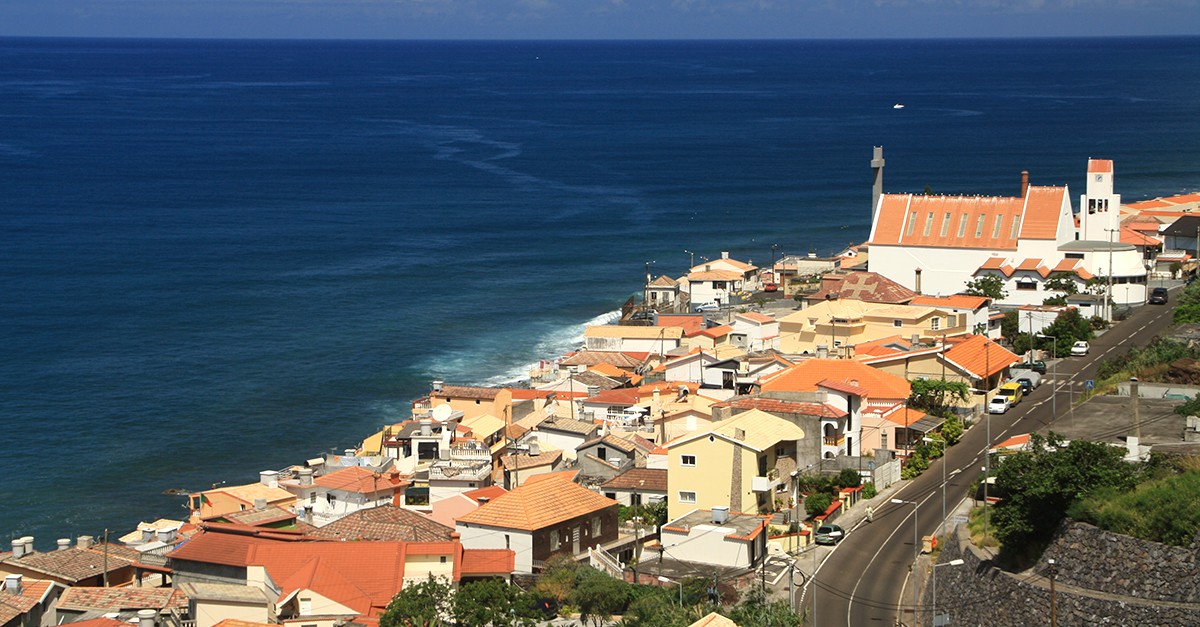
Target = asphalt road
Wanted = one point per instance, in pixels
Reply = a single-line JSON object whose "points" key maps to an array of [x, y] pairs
{"points": [[864, 581]]}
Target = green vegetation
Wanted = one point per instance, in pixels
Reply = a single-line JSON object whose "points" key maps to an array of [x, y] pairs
{"points": [[1038, 486], [849, 478], [1149, 363], [937, 396], [1161, 510], [989, 285], [816, 504], [1187, 309]]}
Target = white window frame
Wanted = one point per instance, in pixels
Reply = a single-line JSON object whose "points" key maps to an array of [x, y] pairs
{"points": [[683, 461], [686, 496]]}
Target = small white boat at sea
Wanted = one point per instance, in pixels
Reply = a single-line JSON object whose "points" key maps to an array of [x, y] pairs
{"points": [[897, 106]]}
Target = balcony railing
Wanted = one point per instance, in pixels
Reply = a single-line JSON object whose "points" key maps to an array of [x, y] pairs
{"points": [[765, 483], [834, 440]]}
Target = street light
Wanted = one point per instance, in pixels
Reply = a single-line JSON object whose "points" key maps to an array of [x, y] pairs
{"points": [[916, 551], [1054, 375], [680, 584], [957, 562], [943, 442]]}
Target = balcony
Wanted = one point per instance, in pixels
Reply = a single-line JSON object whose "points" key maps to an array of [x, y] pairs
{"points": [[765, 483], [834, 440]]}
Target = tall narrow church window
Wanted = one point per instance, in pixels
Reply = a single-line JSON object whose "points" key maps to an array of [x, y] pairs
{"points": [[1015, 227], [996, 226], [912, 223], [962, 225], [928, 224], [945, 224], [979, 225]]}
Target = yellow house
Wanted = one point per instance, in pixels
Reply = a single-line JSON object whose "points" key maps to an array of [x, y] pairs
{"points": [[743, 463], [839, 325], [229, 499]]}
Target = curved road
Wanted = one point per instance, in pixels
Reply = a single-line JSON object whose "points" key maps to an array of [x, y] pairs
{"points": [[863, 581]]}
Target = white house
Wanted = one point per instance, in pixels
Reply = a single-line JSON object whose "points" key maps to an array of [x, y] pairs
{"points": [[611, 337], [343, 492], [717, 537], [936, 244], [753, 331]]}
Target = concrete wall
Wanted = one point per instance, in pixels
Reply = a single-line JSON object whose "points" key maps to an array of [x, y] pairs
{"points": [[481, 537], [706, 544]]}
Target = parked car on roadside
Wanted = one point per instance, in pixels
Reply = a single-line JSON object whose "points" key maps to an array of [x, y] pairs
{"points": [[1158, 296], [1013, 391], [1028, 379], [709, 306], [999, 405], [1036, 365], [829, 534], [1080, 348]]}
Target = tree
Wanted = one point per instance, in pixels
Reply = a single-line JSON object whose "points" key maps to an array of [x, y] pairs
{"points": [[755, 610], [1061, 282], [1010, 324], [849, 478], [1039, 485], [496, 603], [1188, 309], [424, 604], [988, 285], [598, 596], [935, 396], [952, 430], [816, 504], [1069, 327]]}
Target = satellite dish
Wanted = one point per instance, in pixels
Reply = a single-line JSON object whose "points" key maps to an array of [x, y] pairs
{"points": [[441, 413]]}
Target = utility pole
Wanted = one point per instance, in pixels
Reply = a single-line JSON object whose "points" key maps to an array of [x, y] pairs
{"points": [[1108, 298], [1053, 600]]}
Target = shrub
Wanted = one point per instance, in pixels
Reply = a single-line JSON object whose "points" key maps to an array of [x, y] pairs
{"points": [[869, 491], [816, 504], [849, 478]]}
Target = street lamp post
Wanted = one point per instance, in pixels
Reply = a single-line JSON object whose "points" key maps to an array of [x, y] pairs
{"points": [[943, 443], [680, 584], [916, 552], [957, 562], [1054, 375]]}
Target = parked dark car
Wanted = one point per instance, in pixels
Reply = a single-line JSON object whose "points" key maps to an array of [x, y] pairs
{"points": [[1158, 296], [1036, 365]]}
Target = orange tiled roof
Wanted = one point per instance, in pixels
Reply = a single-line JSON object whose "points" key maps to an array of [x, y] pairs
{"points": [[976, 353], [101, 622], [1130, 236], [806, 376], [957, 301], [73, 564], [1042, 205], [780, 406], [690, 324], [386, 522], [125, 598], [1033, 265], [650, 479], [906, 416], [608, 370], [490, 492], [870, 287], [715, 275], [480, 562], [537, 505], [617, 396], [235, 622], [996, 263], [1096, 166], [360, 480], [754, 316], [918, 220]]}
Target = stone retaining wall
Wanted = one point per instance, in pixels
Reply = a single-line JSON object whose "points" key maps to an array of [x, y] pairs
{"points": [[1107, 562], [978, 593]]}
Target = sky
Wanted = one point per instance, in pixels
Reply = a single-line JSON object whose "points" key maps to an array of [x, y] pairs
{"points": [[597, 19]]}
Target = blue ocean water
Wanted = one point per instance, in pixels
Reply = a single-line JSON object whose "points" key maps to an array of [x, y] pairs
{"points": [[218, 257]]}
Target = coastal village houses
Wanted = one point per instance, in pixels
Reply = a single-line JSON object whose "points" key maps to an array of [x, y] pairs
{"points": [[936, 244]]}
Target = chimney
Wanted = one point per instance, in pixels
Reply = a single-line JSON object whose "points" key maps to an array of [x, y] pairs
{"points": [[720, 514], [1024, 183], [426, 427], [655, 397], [437, 385], [535, 448], [917, 280], [18, 548], [84, 542], [147, 534], [483, 500], [722, 413], [724, 254], [64, 544], [167, 535], [147, 618], [269, 478], [593, 390], [877, 187], [822, 351], [260, 504], [916, 339], [28, 540], [12, 583], [306, 477]]}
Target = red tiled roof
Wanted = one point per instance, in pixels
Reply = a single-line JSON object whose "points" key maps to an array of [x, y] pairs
{"points": [[957, 301], [617, 396], [1099, 166], [101, 622], [652, 479], [976, 353], [482, 562], [536, 505], [807, 375], [870, 287], [592, 358], [1130, 236], [1042, 206], [467, 392], [996, 263], [360, 480], [490, 492], [124, 598], [845, 387], [906, 416], [780, 406], [521, 461], [918, 220], [1033, 265], [386, 522], [73, 564], [754, 316]]}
